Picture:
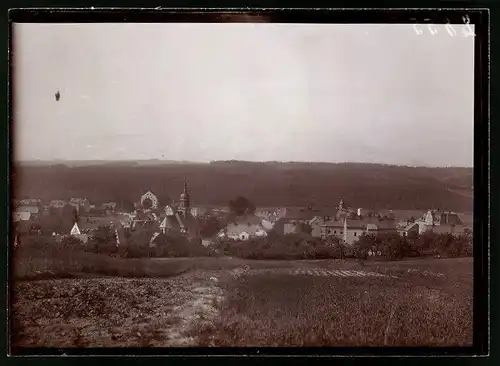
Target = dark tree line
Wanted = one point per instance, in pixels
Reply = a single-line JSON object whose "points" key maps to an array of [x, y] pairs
{"points": [[265, 184]]}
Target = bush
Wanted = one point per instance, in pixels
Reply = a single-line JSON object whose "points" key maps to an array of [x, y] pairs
{"points": [[395, 247], [139, 245], [364, 245], [286, 247], [175, 245]]}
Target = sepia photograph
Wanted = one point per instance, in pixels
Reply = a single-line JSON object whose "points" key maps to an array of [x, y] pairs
{"points": [[241, 184]]}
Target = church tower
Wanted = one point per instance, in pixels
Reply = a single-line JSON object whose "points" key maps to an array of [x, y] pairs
{"points": [[184, 204]]}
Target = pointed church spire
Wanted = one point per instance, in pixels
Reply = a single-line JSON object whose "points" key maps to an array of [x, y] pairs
{"points": [[184, 200]]}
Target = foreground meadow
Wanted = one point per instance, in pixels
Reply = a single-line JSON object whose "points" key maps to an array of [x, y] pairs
{"points": [[417, 303], [230, 302]]}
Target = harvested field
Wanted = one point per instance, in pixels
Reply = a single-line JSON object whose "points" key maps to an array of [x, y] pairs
{"points": [[321, 303], [110, 312]]}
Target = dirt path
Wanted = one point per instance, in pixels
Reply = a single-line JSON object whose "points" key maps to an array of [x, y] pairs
{"points": [[141, 312]]}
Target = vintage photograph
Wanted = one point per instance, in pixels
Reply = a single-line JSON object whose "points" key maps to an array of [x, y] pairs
{"points": [[241, 184]]}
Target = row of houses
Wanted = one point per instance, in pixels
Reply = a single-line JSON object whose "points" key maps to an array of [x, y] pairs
{"points": [[348, 224], [342, 221], [29, 209]]}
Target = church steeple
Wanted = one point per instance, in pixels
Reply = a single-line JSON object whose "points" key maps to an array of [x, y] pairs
{"points": [[184, 200]]}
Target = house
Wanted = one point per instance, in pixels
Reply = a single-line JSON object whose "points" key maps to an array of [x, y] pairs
{"points": [[269, 222], [244, 231], [408, 229], [18, 216], [316, 224], [206, 242], [294, 227], [455, 230], [57, 203], [82, 204], [244, 228], [440, 222], [199, 211], [350, 229], [29, 202], [110, 206], [75, 232], [333, 227], [33, 210], [270, 213]]}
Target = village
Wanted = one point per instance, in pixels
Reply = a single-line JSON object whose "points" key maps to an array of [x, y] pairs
{"points": [[211, 224]]}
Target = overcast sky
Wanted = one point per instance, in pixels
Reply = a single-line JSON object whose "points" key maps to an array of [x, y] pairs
{"points": [[201, 92]]}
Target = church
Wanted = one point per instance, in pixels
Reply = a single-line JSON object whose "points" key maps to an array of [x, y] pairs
{"points": [[178, 217]]}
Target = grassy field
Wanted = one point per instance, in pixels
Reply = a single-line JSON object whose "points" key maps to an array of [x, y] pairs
{"points": [[235, 302], [83, 264], [428, 304]]}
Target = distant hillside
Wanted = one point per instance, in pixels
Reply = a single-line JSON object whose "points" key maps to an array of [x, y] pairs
{"points": [[267, 184]]}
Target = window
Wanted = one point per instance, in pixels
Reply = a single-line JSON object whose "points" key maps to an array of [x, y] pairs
{"points": [[335, 231], [355, 234]]}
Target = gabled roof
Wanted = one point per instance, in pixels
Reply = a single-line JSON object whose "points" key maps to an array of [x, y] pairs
{"points": [[179, 222], [363, 223], [109, 204], [75, 230], [450, 218], [408, 226], [443, 229], [30, 209], [78, 201], [237, 229], [29, 201], [57, 203], [155, 235], [333, 223], [144, 224]]}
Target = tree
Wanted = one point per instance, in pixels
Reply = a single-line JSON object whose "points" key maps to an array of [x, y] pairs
{"points": [[103, 240], [164, 199], [426, 243], [127, 205], [104, 234], [393, 246], [304, 228], [241, 206], [364, 244], [209, 226]]}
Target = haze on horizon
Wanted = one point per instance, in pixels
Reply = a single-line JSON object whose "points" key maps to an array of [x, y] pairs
{"points": [[255, 92]]}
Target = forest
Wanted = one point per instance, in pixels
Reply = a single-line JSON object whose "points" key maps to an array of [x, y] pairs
{"points": [[280, 184]]}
